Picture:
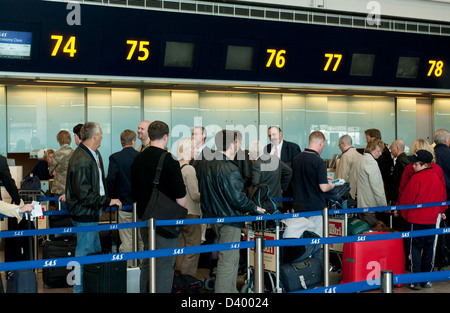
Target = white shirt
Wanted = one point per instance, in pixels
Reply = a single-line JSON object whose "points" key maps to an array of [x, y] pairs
{"points": [[279, 146], [95, 154]]}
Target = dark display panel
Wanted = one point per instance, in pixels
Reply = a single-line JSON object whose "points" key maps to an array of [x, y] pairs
{"points": [[124, 42]]}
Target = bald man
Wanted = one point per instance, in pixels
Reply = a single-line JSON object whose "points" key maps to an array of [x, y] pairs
{"points": [[142, 132]]}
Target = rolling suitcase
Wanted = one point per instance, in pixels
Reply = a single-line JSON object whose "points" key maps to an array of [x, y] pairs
{"points": [[305, 274], [365, 260], [19, 248], [110, 277], [57, 276], [21, 281]]}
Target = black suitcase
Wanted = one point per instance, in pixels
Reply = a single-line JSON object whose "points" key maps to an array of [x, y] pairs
{"points": [[110, 277], [19, 248], [57, 276], [305, 274], [21, 281]]}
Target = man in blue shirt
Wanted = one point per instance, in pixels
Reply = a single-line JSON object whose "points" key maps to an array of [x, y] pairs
{"points": [[442, 151], [310, 178]]}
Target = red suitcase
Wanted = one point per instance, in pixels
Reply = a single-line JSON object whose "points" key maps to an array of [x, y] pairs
{"points": [[364, 260]]}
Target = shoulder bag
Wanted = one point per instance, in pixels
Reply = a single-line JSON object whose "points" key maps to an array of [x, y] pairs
{"points": [[161, 207]]}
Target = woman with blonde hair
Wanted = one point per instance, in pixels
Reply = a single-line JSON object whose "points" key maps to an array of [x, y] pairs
{"points": [[191, 234], [419, 144]]}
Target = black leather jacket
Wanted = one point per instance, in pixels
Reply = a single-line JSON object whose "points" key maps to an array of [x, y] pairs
{"points": [[222, 189], [83, 198]]}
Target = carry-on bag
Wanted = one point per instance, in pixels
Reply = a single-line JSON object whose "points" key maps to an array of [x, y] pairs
{"points": [[110, 277], [21, 281], [305, 274], [57, 276], [161, 207]]}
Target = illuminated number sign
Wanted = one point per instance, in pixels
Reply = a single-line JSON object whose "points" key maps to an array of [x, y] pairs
{"points": [[331, 57], [436, 68], [69, 47], [142, 48], [280, 59]]}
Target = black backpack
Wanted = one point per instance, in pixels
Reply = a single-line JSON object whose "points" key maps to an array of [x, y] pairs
{"points": [[259, 194], [31, 183]]}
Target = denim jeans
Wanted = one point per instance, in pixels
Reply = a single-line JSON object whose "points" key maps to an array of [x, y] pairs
{"points": [[87, 243]]}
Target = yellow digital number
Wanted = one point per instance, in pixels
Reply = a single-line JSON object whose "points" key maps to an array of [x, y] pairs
{"points": [[69, 47], [436, 68], [330, 57], [142, 48], [279, 57]]}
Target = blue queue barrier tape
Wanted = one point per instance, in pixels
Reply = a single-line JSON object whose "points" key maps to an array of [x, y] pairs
{"points": [[224, 246], [103, 258], [69, 230], [370, 284], [206, 220]]}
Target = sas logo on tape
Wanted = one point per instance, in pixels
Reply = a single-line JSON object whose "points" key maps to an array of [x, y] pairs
{"points": [[117, 257], [50, 263]]}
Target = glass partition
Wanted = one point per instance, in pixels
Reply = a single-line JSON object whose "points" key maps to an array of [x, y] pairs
{"points": [[65, 109], [441, 109], [27, 118], [3, 141]]}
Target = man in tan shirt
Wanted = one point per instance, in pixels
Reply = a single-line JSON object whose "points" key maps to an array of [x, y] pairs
{"points": [[347, 162]]}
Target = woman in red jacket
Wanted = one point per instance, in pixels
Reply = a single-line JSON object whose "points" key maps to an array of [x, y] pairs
{"points": [[424, 186]]}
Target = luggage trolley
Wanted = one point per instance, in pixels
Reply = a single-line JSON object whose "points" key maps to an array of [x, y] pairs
{"points": [[271, 258]]}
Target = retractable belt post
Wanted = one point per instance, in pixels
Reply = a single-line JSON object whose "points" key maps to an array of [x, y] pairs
{"points": [[152, 261], [134, 234], [259, 266], [326, 255], [387, 281]]}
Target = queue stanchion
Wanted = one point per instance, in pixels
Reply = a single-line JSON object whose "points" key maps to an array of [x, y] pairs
{"points": [[259, 266], [277, 259], [152, 261], [387, 281], [326, 249], [134, 234]]}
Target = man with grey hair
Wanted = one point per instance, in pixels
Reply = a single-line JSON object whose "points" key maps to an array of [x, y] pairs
{"points": [[86, 194], [442, 151], [346, 164], [400, 162]]}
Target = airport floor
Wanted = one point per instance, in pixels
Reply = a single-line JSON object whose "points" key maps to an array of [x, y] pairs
{"points": [[203, 273]]}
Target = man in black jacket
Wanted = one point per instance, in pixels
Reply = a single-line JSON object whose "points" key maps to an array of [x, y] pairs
{"points": [[221, 188], [119, 184], [86, 193], [171, 184]]}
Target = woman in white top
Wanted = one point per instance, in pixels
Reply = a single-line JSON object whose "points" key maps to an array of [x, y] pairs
{"points": [[191, 235]]}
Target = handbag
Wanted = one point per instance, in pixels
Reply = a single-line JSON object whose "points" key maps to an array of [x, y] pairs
{"points": [[161, 207]]}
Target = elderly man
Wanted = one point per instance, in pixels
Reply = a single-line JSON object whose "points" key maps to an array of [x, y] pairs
{"points": [[442, 151], [347, 162], [86, 192], [401, 160], [283, 149]]}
